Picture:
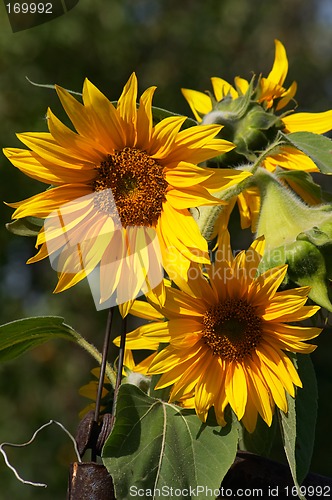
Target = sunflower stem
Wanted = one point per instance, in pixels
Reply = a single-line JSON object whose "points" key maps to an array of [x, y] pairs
{"points": [[120, 368], [103, 363], [102, 377], [207, 216], [271, 149], [91, 349]]}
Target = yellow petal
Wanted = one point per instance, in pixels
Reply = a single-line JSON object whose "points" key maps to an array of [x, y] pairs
{"points": [[80, 146], [170, 357], [147, 336], [241, 84], [259, 393], [127, 108], [236, 387], [185, 174], [221, 89], [44, 145], [280, 66], [318, 123], [292, 159], [271, 356], [199, 103], [266, 285], [287, 96], [192, 370], [33, 165], [273, 383], [164, 135], [111, 132], [249, 418], [180, 241], [195, 196], [67, 280], [224, 179], [77, 113], [208, 385], [179, 304], [144, 119], [42, 204], [142, 309]]}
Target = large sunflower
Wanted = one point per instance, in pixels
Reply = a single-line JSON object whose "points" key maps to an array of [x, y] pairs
{"points": [[116, 175], [228, 337]]}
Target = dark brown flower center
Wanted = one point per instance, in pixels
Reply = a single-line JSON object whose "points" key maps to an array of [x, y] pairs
{"points": [[232, 329], [132, 184]]}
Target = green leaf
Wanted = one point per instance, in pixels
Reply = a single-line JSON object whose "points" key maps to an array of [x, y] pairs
{"points": [[27, 226], [317, 147], [22, 335], [261, 440], [298, 426], [157, 445]]}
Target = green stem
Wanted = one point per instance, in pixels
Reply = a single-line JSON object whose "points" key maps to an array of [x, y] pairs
{"points": [[91, 349], [207, 216], [272, 148]]}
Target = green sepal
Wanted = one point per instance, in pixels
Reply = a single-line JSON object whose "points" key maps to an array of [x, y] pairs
{"points": [[155, 444], [246, 123], [306, 267], [27, 226], [317, 147]]}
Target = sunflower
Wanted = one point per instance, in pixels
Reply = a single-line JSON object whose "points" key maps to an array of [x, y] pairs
{"points": [[228, 337], [272, 96], [115, 180]]}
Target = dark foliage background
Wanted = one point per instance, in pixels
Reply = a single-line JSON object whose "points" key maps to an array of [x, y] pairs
{"points": [[170, 44]]}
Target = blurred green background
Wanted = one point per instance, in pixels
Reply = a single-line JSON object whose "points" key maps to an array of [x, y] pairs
{"points": [[171, 44]]}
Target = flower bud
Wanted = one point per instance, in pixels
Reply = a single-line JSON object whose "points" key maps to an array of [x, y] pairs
{"points": [[246, 124]]}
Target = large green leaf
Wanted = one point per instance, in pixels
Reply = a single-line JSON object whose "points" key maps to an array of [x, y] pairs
{"points": [[157, 445], [25, 334], [298, 425], [317, 147]]}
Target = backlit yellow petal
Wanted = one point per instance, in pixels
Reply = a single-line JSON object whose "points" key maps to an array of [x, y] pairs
{"points": [[199, 103], [221, 89], [280, 66]]}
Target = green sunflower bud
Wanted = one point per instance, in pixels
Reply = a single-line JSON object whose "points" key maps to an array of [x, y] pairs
{"points": [[306, 267], [246, 124]]}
